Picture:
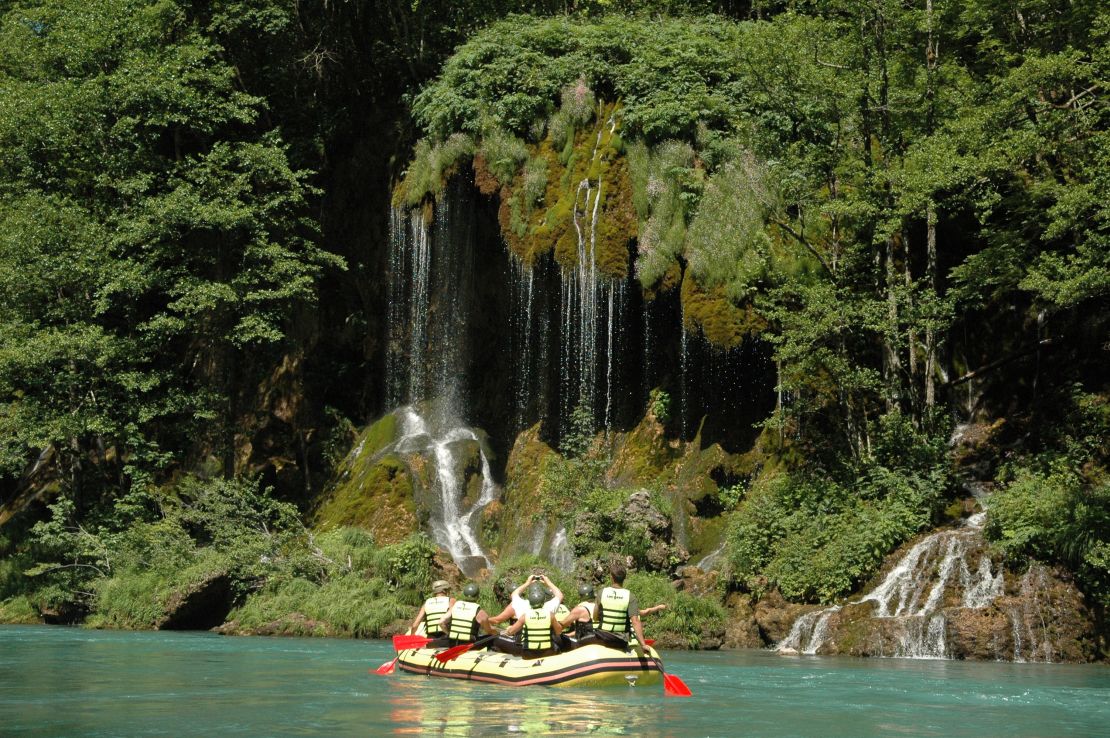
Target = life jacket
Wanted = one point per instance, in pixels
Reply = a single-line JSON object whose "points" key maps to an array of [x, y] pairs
{"points": [[614, 610], [434, 610], [561, 611], [538, 633], [464, 622]]}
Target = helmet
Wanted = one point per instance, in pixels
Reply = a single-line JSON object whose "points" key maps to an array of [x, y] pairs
{"points": [[536, 596], [470, 591], [440, 585], [586, 591]]}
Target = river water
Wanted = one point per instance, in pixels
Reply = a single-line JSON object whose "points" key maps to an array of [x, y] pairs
{"points": [[74, 682]]}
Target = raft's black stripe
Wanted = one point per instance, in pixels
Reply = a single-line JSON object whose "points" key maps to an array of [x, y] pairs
{"points": [[586, 668]]}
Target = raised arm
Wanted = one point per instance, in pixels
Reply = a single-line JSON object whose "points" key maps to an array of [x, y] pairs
{"points": [[558, 592]]}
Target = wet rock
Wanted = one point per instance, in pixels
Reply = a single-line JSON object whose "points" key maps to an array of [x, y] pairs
{"points": [[774, 616], [741, 629], [1042, 617]]}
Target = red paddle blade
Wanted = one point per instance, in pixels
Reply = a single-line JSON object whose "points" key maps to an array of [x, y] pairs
{"points": [[649, 641], [453, 652], [675, 687], [386, 668], [405, 642]]}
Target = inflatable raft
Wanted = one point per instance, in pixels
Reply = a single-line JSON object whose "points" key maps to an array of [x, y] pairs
{"points": [[591, 665]]}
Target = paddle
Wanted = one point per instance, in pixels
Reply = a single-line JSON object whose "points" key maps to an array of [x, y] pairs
{"points": [[405, 642], [401, 643], [387, 667], [455, 651], [673, 686]]}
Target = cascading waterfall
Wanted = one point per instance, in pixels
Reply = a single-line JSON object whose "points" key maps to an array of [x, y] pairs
{"points": [[592, 313], [560, 554], [452, 521], [431, 274], [1031, 641], [934, 573]]}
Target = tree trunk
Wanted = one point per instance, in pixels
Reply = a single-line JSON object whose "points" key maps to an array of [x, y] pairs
{"points": [[930, 328]]}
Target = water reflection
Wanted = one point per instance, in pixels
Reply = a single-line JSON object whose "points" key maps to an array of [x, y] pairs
{"points": [[430, 707]]}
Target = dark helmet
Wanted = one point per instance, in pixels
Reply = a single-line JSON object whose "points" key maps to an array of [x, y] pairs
{"points": [[586, 591], [536, 596], [470, 591]]}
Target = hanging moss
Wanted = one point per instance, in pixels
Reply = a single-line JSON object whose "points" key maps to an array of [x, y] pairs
{"points": [[671, 279], [721, 322]]}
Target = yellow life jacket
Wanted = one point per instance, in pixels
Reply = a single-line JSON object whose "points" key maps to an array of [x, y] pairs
{"points": [[561, 611], [614, 610], [538, 633], [434, 610], [464, 623]]}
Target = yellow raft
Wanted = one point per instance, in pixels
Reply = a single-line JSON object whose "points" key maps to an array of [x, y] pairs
{"points": [[592, 665]]}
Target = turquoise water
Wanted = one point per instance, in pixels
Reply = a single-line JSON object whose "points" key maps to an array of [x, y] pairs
{"points": [[72, 682]]}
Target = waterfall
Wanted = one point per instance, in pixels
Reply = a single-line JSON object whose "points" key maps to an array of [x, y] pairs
{"points": [[713, 558], [1030, 632], [593, 311], [431, 281], [684, 360], [523, 359], [446, 450], [560, 554], [912, 598]]}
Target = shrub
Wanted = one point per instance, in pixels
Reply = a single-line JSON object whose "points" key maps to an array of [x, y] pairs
{"points": [[504, 154], [687, 618]]}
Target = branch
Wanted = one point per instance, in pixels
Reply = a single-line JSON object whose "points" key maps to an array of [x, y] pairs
{"points": [[1047, 342], [806, 245]]}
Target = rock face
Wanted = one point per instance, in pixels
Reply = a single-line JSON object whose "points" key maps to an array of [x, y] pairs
{"points": [[741, 629]]}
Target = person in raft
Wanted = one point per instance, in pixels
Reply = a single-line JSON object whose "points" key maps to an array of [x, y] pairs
{"points": [[581, 616], [519, 606], [617, 613], [539, 629], [463, 621], [433, 610]]}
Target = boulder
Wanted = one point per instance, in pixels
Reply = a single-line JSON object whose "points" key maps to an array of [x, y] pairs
{"points": [[774, 616], [741, 629]]}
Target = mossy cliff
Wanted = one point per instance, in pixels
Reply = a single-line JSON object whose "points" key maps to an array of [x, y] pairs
{"points": [[372, 491], [573, 192]]}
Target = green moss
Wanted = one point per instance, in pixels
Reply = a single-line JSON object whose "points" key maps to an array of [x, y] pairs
{"points": [[643, 455], [721, 322], [372, 491], [522, 499], [378, 436], [380, 499]]}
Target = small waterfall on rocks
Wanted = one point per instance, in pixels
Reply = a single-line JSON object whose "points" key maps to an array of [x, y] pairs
{"points": [[449, 451], [909, 605]]}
